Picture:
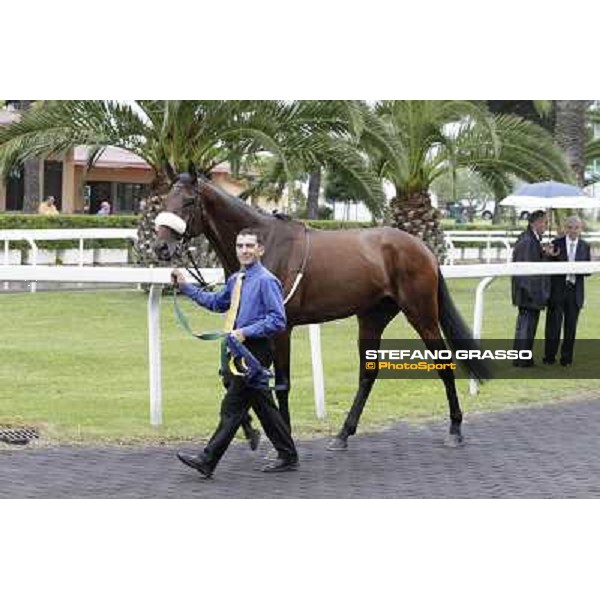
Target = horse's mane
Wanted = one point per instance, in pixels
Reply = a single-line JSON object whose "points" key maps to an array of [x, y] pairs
{"points": [[252, 208]]}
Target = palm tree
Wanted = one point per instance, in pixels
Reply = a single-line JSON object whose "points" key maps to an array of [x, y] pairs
{"points": [[171, 135], [564, 119], [31, 172], [592, 145], [570, 130], [426, 139], [312, 200]]}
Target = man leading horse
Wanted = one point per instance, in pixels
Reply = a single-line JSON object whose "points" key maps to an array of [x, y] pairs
{"points": [[254, 301], [371, 273]]}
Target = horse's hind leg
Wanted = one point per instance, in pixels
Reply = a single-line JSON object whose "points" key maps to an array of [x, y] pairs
{"points": [[371, 326], [431, 335]]}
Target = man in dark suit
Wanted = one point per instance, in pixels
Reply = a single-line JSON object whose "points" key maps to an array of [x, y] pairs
{"points": [[566, 295], [530, 293]]}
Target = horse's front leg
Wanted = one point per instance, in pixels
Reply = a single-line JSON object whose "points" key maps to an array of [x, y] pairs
{"points": [[282, 374], [371, 328]]}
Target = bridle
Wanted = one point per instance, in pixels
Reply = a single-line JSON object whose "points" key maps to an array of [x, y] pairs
{"points": [[191, 204], [183, 228]]}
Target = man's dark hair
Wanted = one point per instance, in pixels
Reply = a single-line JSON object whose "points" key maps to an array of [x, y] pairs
{"points": [[255, 232], [535, 215]]}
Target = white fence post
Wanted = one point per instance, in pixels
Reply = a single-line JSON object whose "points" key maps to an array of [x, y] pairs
{"points": [[154, 354], [314, 334], [478, 324], [6, 261], [34, 250]]}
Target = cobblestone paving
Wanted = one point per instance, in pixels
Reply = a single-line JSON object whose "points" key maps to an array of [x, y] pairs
{"points": [[551, 451]]}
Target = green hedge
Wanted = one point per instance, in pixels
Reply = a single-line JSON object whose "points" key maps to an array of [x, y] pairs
{"points": [[21, 221], [24, 221], [331, 225], [478, 226]]}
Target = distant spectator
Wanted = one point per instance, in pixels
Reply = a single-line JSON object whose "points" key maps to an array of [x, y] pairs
{"points": [[530, 293], [566, 295], [104, 208], [48, 207]]}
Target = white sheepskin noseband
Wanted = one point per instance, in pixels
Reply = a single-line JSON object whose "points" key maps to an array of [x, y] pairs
{"points": [[170, 220]]}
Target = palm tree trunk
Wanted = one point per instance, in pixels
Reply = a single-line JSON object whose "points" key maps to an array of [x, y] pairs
{"points": [[31, 181], [570, 133], [312, 201], [415, 215], [31, 174]]}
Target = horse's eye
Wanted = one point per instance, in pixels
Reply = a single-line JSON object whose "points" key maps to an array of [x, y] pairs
{"points": [[186, 202]]}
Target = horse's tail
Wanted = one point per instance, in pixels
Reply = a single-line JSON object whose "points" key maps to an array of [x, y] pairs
{"points": [[457, 333]]}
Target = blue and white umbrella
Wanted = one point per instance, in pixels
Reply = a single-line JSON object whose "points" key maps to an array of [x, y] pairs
{"points": [[550, 194]]}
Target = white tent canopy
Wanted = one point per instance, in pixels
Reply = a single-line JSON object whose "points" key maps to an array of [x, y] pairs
{"points": [[535, 202], [550, 194]]}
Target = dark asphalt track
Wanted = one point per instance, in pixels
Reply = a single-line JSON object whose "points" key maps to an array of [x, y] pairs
{"points": [[550, 451]]}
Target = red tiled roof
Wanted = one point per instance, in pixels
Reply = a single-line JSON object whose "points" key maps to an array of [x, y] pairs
{"points": [[112, 158], [117, 158]]}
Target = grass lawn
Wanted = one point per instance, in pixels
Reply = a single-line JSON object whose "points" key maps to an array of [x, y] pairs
{"points": [[76, 364]]}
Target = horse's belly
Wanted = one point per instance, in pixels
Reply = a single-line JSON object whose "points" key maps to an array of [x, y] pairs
{"points": [[333, 299]]}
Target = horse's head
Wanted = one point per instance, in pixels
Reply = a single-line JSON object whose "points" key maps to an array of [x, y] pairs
{"points": [[181, 220]]}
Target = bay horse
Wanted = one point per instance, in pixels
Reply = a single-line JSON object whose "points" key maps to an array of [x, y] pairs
{"points": [[371, 273]]}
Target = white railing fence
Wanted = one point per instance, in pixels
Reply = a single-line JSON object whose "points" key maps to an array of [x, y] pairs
{"points": [[32, 236], [493, 245], [157, 277]]}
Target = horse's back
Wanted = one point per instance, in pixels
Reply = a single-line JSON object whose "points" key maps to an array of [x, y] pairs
{"points": [[386, 247], [349, 271]]}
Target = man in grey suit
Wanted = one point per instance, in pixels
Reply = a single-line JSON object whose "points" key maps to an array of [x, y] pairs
{"points": [[566, 295]]}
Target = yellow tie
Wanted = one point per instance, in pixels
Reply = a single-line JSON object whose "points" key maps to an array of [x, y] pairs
{"points": [[231, 315]]}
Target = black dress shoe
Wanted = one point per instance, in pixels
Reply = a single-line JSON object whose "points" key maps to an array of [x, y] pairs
{"points": [[565, 363], [549, 361], [195, 462], [254, 439], [281, 465]]}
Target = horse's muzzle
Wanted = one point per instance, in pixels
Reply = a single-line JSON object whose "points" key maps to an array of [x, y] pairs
{"points": [[164, 250]]}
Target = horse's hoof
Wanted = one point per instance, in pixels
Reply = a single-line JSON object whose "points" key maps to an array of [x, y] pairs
{"points": [[337, 443], [454, 440]]}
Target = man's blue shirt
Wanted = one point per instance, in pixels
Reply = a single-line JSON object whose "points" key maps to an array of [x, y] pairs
{"points": [[261, 312]]}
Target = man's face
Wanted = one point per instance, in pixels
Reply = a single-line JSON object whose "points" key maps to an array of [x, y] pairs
{"points": [[540, 225], [573, 230], [248, 250]]}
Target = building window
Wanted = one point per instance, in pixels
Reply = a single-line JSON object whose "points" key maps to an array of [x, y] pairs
{"points": [[129, 196], [15, 189], [53, 179]]}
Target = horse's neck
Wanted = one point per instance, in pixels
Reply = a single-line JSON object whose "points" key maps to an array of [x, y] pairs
{"points": [[225, 217]]}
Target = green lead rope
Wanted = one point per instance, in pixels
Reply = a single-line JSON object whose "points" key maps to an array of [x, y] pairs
{"points": [[183, 321], [207, 335]]}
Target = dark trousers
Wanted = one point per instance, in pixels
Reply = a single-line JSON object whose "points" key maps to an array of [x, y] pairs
{"points": [[246, 423], [564, 314], [527, 322], [238, 399]]}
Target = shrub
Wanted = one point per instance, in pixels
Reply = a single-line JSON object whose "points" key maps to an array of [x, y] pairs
{"points": [[25, 221]]}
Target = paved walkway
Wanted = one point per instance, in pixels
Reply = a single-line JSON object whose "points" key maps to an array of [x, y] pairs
{"points": [[551, 451]]}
